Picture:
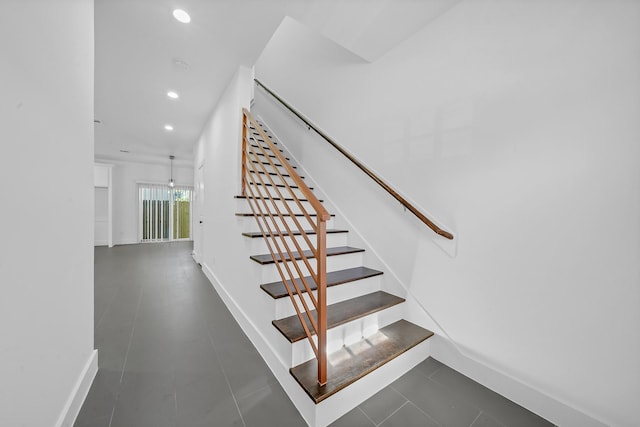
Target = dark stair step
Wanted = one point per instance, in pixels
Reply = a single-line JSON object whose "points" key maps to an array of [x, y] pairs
{"points": [[338, 250], [353, 362], [273, 156], [268, 184], [256, 234], [274, 163], [254, 133], [286, 175], [266, 147], [278, 290], [257, 135], [262, 127], [338, 313], [275, 214], [288, 199]]}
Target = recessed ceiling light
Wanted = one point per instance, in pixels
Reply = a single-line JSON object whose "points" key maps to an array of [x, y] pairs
{"points": [[168, 127], [173, 95], [181, 16]]}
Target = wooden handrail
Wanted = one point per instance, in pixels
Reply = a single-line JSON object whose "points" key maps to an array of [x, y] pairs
{"points": [[361, 166], [258, 183]]}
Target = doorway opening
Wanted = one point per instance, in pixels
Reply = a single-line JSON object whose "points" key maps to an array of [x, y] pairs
{"points": [[164, 213]]}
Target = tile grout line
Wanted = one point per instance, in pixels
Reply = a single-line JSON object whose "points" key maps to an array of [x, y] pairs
{"points": [[251, 393], [104, 313], [224, 372], [366, 416], [133, 328], [113, 411], [475, 419], [391, 414], [434, 372], [416, 406]]}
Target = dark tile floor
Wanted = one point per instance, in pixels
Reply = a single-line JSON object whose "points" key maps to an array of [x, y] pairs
{"points": [[171, 354]]}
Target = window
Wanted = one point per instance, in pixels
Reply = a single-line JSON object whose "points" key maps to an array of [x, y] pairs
{"points": [[182, 213], [165, 213]]}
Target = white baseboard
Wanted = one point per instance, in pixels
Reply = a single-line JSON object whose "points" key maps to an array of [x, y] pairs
{"points": [[126, 242], [536, 401], [79, 393]]}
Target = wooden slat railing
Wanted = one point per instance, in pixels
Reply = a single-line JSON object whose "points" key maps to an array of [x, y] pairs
{"points": [[422, 217], [263, 185]]}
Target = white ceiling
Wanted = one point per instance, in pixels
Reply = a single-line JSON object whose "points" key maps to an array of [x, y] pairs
{"points": [[141, 52]]}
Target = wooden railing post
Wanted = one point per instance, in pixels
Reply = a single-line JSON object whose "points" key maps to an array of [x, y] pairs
{"points": [[244, 154], [322, 300]]}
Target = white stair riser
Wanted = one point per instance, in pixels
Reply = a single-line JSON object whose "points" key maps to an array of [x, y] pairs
{"points": [[277, 192], [257, 245], [284, 306], [249, 223], [263, 177], [346, 334], [269, 168], [268, 273], [242, 205]]}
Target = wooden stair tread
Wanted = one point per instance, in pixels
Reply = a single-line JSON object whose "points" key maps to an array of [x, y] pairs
{"points": [[263, 130], [274, 163], [273, 156], [288, 199], [275, 214], [258, 138], [339, 277], [267, 184], [266, 147], [256, 234], [286, 175], [338, 250], [353, 362], [338, 313]]}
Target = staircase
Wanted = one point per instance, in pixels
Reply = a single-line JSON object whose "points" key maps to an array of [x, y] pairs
{"points": [[365, 328]]}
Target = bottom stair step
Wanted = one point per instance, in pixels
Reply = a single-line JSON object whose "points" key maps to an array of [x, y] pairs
{"points": [[353, 362]]}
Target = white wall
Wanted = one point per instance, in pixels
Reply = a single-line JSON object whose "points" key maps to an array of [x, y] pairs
{"points": [[103, 222], [101, 215], [126, 176], [514, 125], [46, 251], [219, 150]]}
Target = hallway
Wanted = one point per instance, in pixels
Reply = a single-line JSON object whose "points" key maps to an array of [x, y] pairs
{"points": [[171, 354]]}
